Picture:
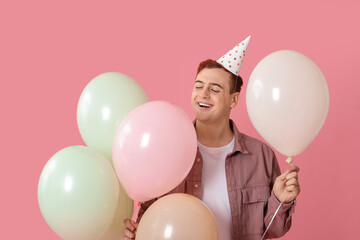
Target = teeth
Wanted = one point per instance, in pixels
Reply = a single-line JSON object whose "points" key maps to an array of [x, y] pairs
{"points": [[204, 105]]}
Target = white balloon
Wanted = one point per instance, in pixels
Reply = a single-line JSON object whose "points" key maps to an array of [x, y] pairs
{"points": [[287, 99]]}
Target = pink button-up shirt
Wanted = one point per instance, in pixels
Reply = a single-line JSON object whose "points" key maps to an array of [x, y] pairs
{"points": [[251, 169]]}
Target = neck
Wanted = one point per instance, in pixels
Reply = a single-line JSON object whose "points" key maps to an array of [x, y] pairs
{"points": [[214, 135]]}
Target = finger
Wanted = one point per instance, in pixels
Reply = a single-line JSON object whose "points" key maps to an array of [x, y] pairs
{"points": [[292, 175], [295, 189], [283, 175], [291, 188], [294, 169], [128, 224], [135, 225], [292, 181], [128, 233]]}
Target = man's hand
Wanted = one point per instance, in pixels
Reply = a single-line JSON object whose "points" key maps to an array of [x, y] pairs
{"points": [[130, 229], [286, 187]]}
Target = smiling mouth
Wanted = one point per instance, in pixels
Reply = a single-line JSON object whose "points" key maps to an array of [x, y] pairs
{"points": [[204, 105]]}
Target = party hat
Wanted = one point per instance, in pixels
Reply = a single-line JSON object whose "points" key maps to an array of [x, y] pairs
{"points": [[233, 59]]}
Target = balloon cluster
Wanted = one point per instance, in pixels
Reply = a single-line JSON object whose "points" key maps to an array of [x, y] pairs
{"points": [[152, 146], [78, 192]]}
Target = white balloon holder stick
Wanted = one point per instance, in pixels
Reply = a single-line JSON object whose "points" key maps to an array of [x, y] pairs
{"points": [[290, 161]]}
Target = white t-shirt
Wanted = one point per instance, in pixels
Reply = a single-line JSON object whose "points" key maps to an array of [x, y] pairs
{"points": [[214, 187]]}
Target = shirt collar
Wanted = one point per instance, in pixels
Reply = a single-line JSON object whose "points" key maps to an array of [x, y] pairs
{"points": [[239, 145], [239, 139]]}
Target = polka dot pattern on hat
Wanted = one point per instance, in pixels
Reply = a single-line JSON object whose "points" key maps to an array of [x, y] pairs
{"points": [[233, 59]]}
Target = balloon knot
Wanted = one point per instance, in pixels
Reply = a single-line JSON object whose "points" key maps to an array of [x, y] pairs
{"points": [[290, 161]]}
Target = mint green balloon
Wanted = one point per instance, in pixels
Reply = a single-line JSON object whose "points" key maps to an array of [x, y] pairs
{"points": [[78, 193], [103, 105]]}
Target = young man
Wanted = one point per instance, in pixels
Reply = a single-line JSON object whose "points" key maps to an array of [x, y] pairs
{"points": [[236, 176]]}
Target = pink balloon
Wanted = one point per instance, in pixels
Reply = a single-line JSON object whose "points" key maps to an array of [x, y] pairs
{"points": [[154, 150]]}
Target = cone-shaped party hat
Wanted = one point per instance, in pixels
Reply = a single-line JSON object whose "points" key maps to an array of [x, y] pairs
{"points": [[233, 59]]}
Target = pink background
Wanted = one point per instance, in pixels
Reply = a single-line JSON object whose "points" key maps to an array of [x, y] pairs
{"points": [[50, 50]]}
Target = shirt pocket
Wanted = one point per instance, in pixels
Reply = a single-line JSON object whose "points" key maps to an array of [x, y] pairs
{"points": [[253, 208]]}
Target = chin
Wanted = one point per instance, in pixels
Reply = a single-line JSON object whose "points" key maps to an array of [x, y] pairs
{"points": [[202, 118]]}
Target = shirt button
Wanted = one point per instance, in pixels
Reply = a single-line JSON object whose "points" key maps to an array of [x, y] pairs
{"points": [[198, 160], [196, 185]]}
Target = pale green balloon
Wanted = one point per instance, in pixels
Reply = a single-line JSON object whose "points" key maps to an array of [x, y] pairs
{"points": [[103, 105], [78, 193]]}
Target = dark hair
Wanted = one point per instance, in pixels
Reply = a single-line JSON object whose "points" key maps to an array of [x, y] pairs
{"points": [[236, 81]]}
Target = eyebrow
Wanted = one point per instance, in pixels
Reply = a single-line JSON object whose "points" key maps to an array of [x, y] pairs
{"points": [[215, 84]]}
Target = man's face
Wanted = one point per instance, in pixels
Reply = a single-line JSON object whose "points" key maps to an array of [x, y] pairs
{"points": [[211, 98]]}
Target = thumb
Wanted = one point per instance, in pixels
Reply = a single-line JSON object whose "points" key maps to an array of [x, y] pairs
{"points": [[135, 224], [283, 175]]}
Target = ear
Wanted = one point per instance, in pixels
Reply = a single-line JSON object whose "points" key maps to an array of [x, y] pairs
{"points": [[234, 99]]}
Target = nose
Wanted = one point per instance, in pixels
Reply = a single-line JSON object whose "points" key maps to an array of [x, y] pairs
{"points": [[205, 93]]}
